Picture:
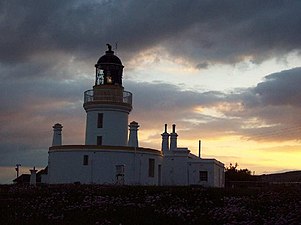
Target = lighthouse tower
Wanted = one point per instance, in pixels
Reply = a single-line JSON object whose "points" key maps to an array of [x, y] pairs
{"points": [[107, 105]]}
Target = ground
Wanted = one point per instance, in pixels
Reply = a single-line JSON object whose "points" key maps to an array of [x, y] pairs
{"points": [[93, 204]]}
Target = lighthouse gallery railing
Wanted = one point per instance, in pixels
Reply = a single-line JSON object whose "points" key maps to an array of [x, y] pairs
{"points": [[126, 97]]}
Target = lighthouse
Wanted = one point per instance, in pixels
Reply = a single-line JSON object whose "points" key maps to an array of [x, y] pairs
{"points": [[107, 105], [111, 154]]}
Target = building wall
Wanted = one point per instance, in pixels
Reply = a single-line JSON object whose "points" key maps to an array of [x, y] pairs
{"points": [[179, 169], [219, 175], [66, 166], [194, 173], [114, 130], [175, 170], [214, 169]]}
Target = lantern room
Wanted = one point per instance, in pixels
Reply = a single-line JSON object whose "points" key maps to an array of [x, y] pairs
{"points": [[109, 69]]}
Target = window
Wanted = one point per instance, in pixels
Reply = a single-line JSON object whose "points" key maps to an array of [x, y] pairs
{"points": [[203, 175], [86, 160], [99, 140], [100, 120], [99, 76], [151, 167]]}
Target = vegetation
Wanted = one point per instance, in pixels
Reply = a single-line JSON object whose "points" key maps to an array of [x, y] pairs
{"points": [[94, 204], [234, 174]]}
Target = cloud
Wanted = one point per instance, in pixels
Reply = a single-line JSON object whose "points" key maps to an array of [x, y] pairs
{"points": [[168, 102], [268, 112], [194, 31], [28, 110], [202, 65], [281, 88]]}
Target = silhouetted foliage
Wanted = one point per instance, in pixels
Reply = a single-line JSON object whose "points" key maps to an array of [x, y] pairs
{"points": [[234, 174]]}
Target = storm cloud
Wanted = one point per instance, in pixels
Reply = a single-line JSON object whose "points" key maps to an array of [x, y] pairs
{"points": [[198, 32]]}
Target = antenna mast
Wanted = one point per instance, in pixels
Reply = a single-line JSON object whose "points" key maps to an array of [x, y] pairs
{"points": [[199, 148]]}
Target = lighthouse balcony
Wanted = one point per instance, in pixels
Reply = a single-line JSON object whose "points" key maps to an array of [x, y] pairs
{"points": [[108, 96]]}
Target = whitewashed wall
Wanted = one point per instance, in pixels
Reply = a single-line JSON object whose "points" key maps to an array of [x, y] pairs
{"points": [[66, 166], [175, 170], [214, 168], [179, 169], [115, 126]]}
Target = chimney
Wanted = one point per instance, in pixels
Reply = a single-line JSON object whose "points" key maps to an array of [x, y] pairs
{"points": [[165, 140], [57, 135], [33, 176], [173, 138], [133, 137]]}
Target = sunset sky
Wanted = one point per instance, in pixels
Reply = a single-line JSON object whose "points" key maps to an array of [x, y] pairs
{"points": [[225, 72]]}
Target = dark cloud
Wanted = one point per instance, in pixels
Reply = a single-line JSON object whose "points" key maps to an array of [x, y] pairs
{"points": [[268, 112], [196, 31], [168, 102], [28, 110], [281, 88], [203, 65], [168, 97]]}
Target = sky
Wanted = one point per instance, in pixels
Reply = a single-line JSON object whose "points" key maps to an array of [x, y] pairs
{"points": [[227, 73]]}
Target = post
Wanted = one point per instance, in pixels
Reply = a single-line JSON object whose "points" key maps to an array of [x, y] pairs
{"points": [[199, 148]]}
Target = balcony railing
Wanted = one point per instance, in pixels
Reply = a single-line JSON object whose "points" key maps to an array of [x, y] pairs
{"points": [[117, 97]]}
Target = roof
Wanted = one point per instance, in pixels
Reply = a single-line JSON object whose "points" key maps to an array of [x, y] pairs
{"points": [[102, 148], [109, 58], [24, 178]]}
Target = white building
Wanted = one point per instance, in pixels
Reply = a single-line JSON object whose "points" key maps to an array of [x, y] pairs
{"points": [[111, 156]]}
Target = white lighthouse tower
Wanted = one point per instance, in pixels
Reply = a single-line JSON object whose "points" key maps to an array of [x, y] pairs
{"points": [[107, 105]]}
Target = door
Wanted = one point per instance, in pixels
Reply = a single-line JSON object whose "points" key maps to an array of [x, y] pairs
{"points": [[120, 174]]}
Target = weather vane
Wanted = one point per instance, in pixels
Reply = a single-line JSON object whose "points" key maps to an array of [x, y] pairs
{"points": [[109, 47]]}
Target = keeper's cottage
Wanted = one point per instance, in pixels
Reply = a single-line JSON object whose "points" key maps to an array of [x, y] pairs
{"points": [[112, 155]]}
